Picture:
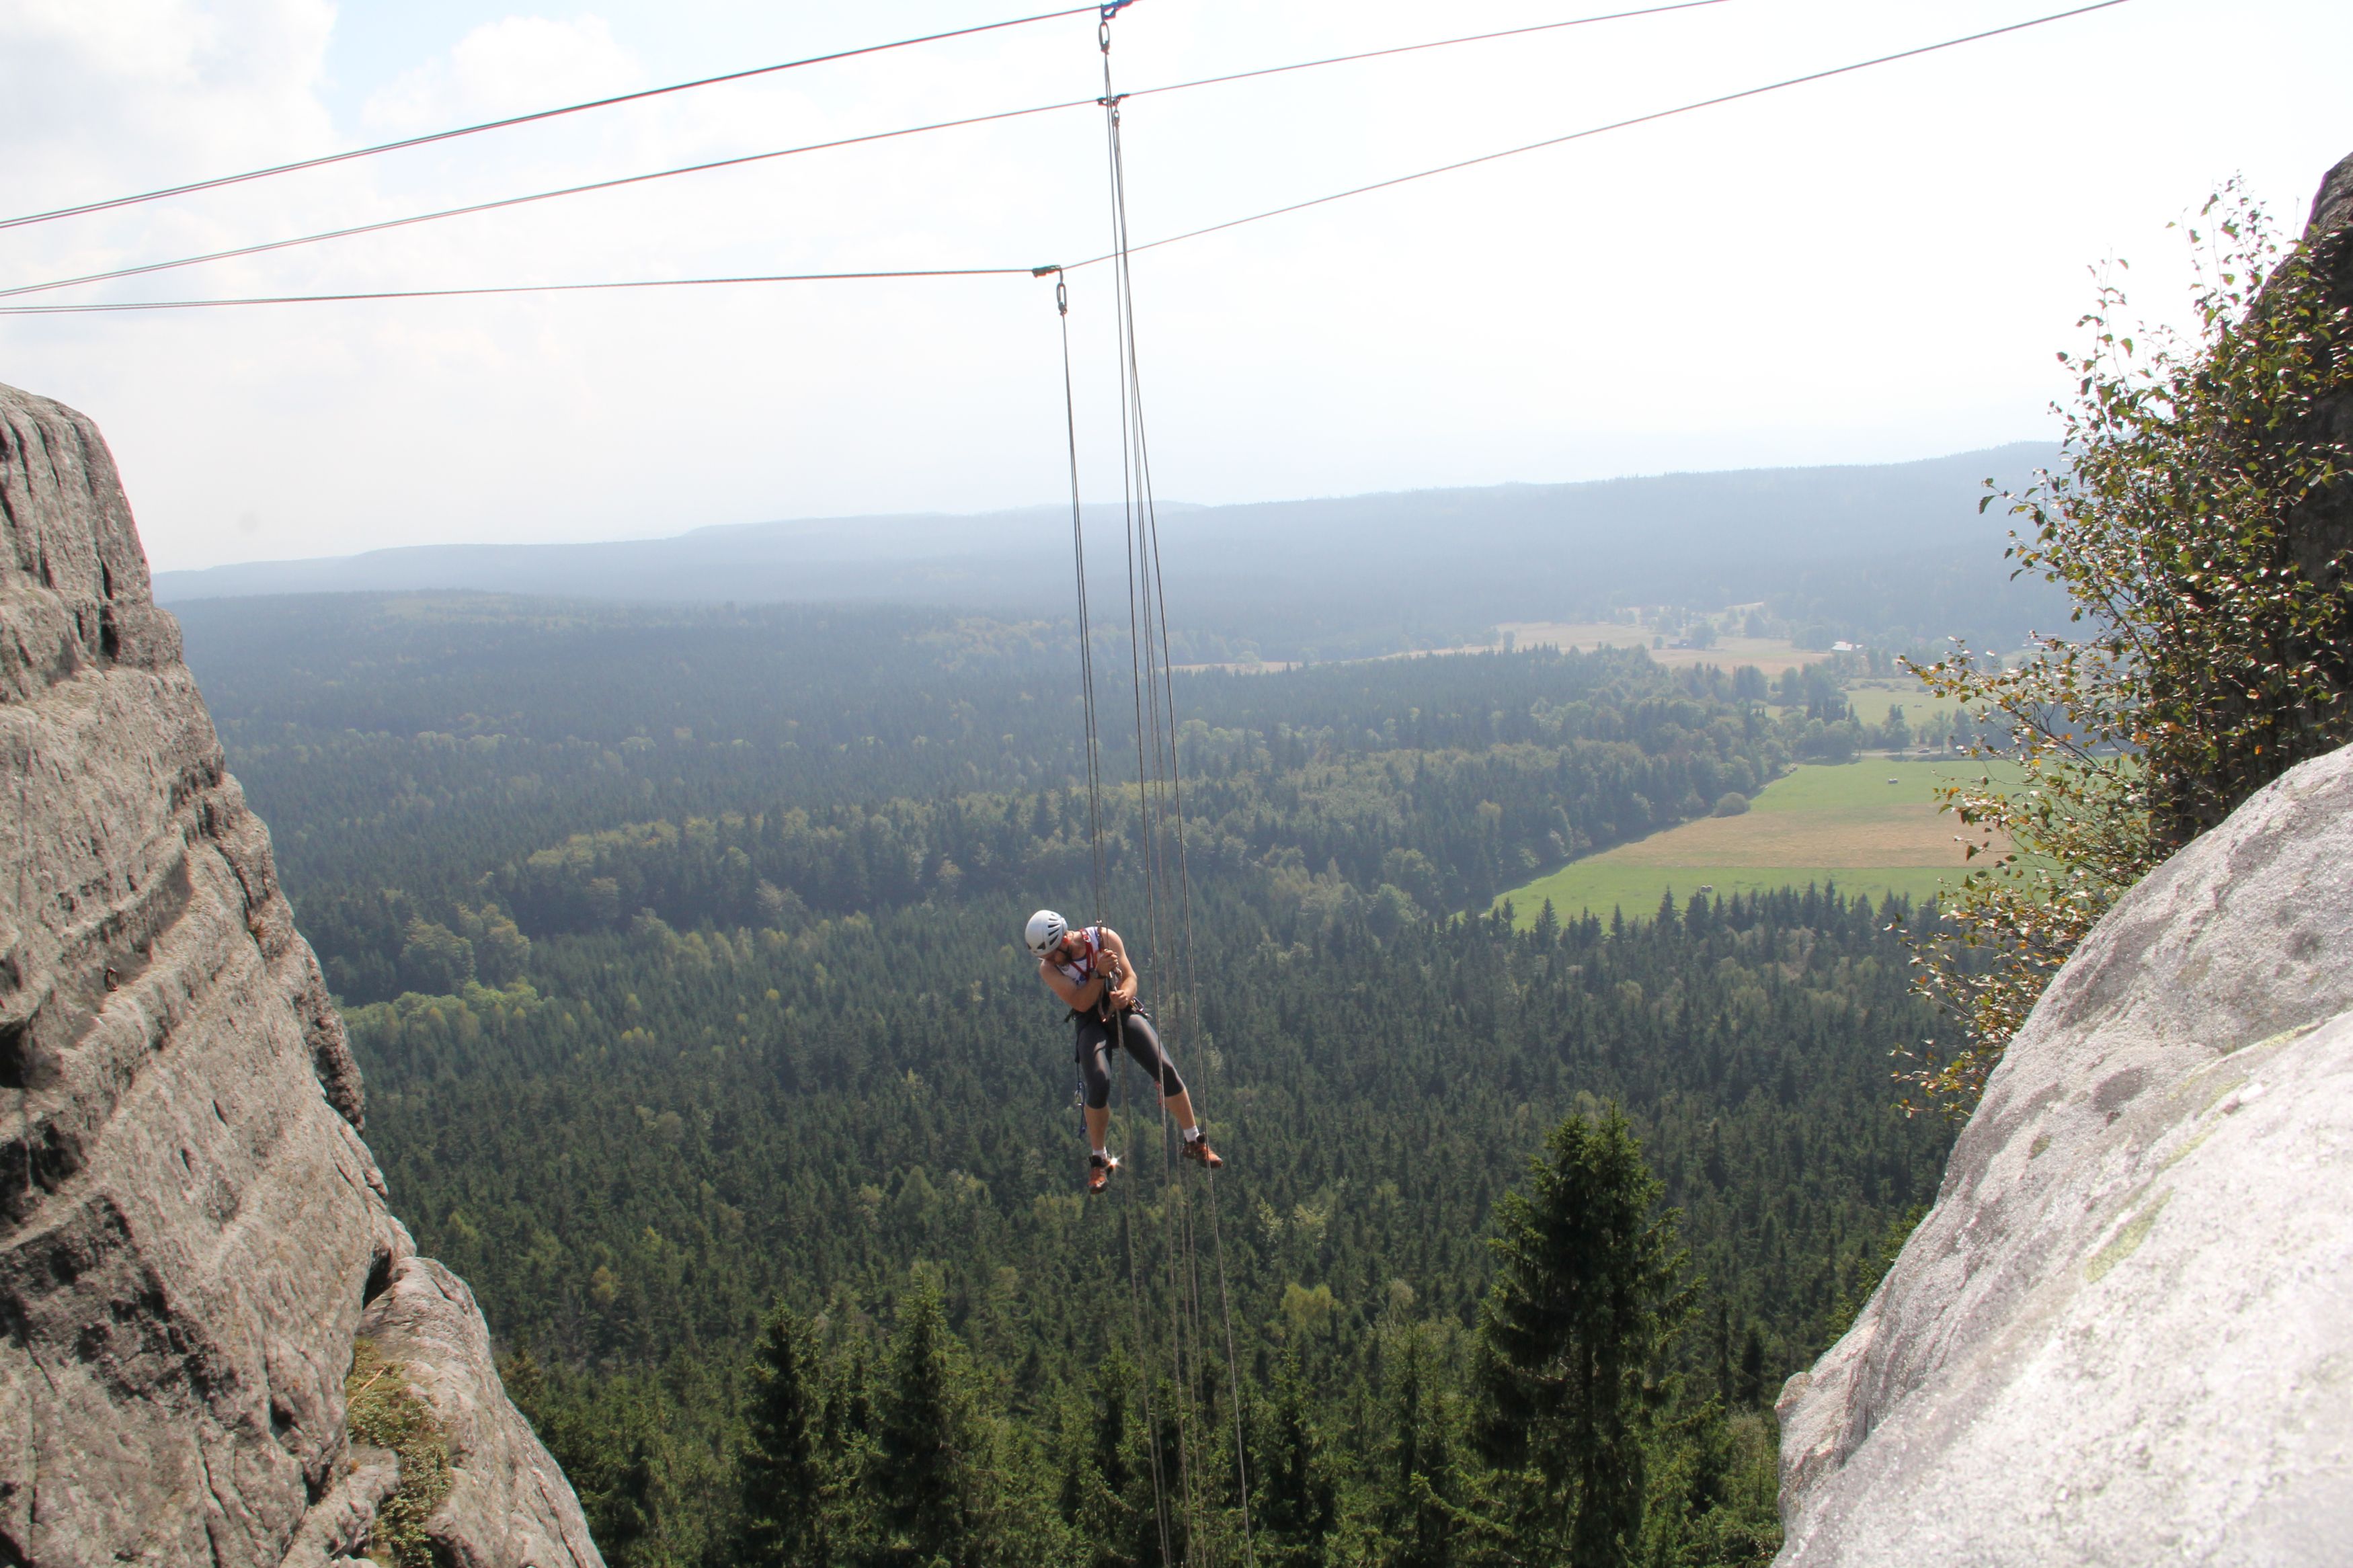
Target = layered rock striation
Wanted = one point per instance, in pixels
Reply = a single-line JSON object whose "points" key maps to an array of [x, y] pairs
{"points": [[2125, 1333], [193, 1236]]}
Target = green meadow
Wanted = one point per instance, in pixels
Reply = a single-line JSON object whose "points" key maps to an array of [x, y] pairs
{"points": [[1870, 826]]}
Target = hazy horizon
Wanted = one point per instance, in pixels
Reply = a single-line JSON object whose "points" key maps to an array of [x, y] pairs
{"points": [[1861, 269], [1897, 553], [1175, 505]]}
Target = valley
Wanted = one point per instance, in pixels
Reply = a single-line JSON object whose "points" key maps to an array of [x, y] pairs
{"points": [[681, 899], [679, 947]]}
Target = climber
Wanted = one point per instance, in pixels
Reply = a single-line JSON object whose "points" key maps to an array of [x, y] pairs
{"points": [[1089, 970]]}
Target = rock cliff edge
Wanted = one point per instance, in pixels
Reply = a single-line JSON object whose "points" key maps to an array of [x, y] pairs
{"points": [[2125, 1333], [192, 1237]]}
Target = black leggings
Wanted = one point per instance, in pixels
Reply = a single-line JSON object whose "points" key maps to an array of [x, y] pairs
{"points": [[1095, 1041]]}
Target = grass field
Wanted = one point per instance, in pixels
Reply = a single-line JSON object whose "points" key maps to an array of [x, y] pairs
{"points": [[1847, 823], [1873, 698], [1767, 654], [1637, 889]]}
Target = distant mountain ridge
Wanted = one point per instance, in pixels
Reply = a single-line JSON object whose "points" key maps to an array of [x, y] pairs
{"points": [[1887, 551]]}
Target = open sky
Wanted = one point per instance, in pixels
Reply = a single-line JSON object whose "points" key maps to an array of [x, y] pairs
{"points": [[1872, 267]]}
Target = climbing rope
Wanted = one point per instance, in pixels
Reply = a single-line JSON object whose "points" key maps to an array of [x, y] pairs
{"points": [[1161, 840], [1097, 866], [1161, 823], [1094, 749], [1079, 561], [1145, 676]]}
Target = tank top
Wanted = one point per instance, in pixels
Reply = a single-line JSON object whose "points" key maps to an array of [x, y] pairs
{"points": [[1083, 969]]}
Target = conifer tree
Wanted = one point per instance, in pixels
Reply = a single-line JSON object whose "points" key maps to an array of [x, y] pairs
{"points": [[1572, 1343], [1298, 1503], [1711, 1493], [850, 1436], [1749, 1389], [627, 1521], [1417, 1506], [782, 1470], [1107, 1485], [926, 1441], [849, 1409], [1173, 1513]]}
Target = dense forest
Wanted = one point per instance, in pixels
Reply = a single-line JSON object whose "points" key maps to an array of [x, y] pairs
{"points": [[680, 950]]}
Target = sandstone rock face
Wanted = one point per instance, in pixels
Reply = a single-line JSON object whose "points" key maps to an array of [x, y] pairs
{"points": [[2125, 1333], [191, 1228], [508, 1502]]}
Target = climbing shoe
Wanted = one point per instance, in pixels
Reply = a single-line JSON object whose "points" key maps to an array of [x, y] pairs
{"points": [[1099, 1170], [1199, 1150]]}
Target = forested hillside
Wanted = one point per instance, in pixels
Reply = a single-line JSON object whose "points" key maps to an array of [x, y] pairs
{"points": [[573, 764], [1893, 553], [680, 950]]}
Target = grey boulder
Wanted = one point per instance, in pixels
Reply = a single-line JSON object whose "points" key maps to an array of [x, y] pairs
{"points": [[2125, 1333]]}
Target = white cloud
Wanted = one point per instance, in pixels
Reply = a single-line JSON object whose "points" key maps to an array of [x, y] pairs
{"points": [[95, 99], [512, 66]]}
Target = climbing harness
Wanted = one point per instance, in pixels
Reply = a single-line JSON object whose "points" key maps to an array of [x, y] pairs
{"points": [[1168, 887]]}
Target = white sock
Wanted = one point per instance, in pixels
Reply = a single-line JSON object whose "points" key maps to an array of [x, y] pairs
{"points": [[1193, 1134], [1103, 1154]]}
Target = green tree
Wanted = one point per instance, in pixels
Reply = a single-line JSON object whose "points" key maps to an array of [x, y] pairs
{"points": [[1573, 1340], [1298, 1502], [783, 1471], [1106, 1495], [435, 959], [1419, 1512], [927, 1463], [1714, 1487], [619, 1489], [2199, 523]]}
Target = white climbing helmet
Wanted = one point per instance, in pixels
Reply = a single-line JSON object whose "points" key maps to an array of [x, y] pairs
{"points": [[1045, 929]]}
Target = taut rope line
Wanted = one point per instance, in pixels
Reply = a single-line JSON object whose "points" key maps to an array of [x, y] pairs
{"points": [[1160, 826]]}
